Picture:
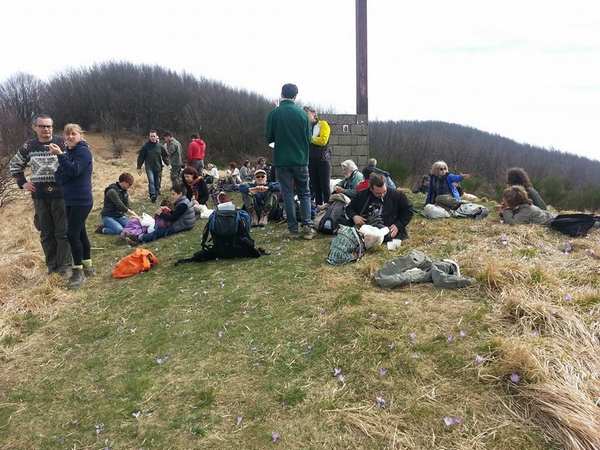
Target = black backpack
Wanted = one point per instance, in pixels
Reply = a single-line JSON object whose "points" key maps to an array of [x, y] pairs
{"points": [[574, 224], [334, 216], [226, 229], [229, 232]]}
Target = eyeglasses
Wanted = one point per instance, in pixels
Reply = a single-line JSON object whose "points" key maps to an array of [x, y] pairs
{"points": [[44, 126]]}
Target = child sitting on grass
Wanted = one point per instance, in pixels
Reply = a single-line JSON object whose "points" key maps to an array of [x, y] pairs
{"points": [[181, 218]]}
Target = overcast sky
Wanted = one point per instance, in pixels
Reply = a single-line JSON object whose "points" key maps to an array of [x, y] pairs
{"points": [[528, 70]]}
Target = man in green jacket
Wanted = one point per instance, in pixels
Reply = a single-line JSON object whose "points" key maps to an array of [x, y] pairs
{"points": [[152, 155], [175, 157], [288, 128]]}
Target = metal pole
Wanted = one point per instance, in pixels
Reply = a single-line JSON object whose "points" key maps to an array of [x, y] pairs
{"points": [[362, 92]]}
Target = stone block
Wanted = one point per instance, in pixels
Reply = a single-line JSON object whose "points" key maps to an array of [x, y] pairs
{"points": [[362, 140], [359, 129], [348, 139], [333, 139], [360, 150]]}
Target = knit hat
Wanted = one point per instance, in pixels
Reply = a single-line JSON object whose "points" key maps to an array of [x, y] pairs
{"points": [[260, 171]]}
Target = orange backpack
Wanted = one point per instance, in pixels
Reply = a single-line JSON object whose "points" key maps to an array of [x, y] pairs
{"points": [[141, 260]]}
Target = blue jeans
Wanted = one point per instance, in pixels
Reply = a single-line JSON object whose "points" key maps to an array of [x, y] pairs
{"points": [[113, 225], [154, 178], [295, 180], [156, 234]]}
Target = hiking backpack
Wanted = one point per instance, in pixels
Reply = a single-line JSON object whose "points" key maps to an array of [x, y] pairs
{"points": [[334, 214], [226, 228], [574, 225], [471, 210]]}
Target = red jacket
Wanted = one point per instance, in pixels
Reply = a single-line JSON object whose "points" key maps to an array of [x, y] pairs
{"points": [[196, 149], [363, 185]]}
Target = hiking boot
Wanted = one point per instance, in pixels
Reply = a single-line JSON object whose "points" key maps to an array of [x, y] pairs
{"points": [[254, 218], [89, 272], [293, 234], [77, 279], [264, 219], [99, 229], [153, 199], [308, 232], [65, 272]]}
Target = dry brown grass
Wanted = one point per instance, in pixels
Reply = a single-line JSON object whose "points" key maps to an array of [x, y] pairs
{"points": [[24, 285]]}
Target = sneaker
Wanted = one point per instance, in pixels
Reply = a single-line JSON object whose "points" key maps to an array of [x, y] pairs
{"points": [[153, 199], [308, 232], [77, 279]]}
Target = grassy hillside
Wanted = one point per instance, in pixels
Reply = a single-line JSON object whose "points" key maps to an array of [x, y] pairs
{"points": [[224, 354]]}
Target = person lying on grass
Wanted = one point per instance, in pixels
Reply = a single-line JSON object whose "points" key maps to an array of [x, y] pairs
{"points": [[181, 218], [517, 208]]}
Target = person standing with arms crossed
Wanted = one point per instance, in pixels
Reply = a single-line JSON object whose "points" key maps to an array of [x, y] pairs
{"points": [[288, 128], [48, 201]]}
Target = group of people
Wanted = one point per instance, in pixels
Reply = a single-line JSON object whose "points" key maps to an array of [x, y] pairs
{"points": [[61, 187], [299, 178]]}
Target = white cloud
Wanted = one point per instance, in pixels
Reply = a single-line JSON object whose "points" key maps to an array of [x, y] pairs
{"points": [[527, 70]]}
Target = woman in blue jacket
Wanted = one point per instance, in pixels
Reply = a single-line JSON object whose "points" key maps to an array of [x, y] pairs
{"points": [[74, 173], [443, 186]]}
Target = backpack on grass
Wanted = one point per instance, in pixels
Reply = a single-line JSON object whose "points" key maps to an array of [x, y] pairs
{"points": [[574, 225], [228, 231], [140, 260], [331, 220]]}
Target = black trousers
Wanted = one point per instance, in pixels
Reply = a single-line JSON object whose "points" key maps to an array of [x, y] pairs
{"points": [[320, 174], [50, 220], [78, 238]]}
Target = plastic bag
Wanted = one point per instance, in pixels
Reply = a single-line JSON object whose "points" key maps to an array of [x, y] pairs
{"points": [[373, 236], [148, 221]]}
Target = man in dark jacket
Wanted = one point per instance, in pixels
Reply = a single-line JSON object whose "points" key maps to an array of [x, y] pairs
{"points": [[152, 155], [48, 200], [381, 207]]}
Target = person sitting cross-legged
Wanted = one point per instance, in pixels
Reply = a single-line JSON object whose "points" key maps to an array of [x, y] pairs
{"points": [[259, 197], [181, 218], [380, 207]]}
